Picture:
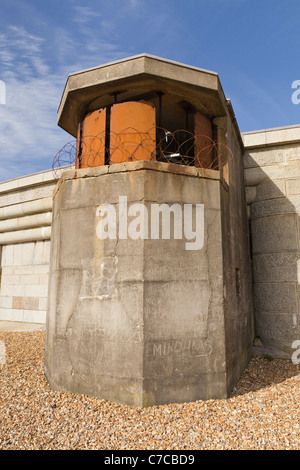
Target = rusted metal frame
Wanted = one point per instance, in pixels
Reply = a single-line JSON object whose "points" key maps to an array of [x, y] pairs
{"points": [[187, 147], [79, 153], [159, 156], [107, 136], [215, 156]]}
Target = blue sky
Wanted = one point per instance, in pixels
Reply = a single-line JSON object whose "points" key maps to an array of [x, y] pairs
{"points": [[252, 45]]}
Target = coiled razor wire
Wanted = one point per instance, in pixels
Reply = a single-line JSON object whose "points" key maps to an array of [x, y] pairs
{"points": [[180, 147]]}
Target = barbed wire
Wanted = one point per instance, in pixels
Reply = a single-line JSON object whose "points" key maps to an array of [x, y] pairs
{"points": [[158, 144], [65, 158]]}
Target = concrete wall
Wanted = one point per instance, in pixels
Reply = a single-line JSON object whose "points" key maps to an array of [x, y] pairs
{"points": [[147, 322], [134, 321], [238, 301], [272, 179], [25, 232]]}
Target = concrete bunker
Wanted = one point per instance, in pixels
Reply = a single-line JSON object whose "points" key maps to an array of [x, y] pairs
{"points": [[140, 319]]}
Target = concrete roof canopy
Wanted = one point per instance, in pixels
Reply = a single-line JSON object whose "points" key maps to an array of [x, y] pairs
{"points": [[91, 89]]}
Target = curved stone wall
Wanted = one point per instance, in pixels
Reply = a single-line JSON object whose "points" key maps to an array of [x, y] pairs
{"points": [[272, 177]]}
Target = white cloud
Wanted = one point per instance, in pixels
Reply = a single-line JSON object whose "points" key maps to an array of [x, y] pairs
{"points": [[28, 120], [84, 14], [28, 132], [29, 135], [34, 64], [21, 53]]}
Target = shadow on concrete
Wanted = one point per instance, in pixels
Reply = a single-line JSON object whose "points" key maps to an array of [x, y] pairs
{"points": [[274, 199], [274, 231]]}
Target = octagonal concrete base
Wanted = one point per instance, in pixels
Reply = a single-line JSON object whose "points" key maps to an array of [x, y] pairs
{"points": [[141, 321]]}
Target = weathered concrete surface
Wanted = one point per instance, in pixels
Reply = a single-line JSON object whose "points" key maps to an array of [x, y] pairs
{"points": [[146, 322], [272, 172], [94, 88], [238, 301]]}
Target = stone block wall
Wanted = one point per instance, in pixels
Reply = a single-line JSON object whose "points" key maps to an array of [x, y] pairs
{"points": [[25, 232], [272, 178], [24, 281]]}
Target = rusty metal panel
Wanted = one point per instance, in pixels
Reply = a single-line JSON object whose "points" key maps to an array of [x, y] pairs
{"points": [[132, 132], [204, 144], [91, 140]]}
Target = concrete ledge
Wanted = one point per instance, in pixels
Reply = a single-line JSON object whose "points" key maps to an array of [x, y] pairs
{"points": [[30, 235], [26, 181], [140, 165], [255, 176], [26, 222], [271, 137], [20, 326], [142, 71], [26, 208], [150, 56]]}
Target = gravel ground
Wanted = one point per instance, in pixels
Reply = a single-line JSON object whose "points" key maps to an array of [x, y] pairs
{"points": [[262, 413]]}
